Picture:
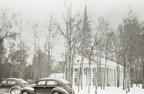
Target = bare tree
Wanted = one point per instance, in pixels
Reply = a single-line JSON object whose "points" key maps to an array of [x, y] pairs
{"points": [[129, 35], [116, 50], [50, 43], [85, 40], [104, 30], [7, 23], [71, 35], [22, 47], [35, 28]]}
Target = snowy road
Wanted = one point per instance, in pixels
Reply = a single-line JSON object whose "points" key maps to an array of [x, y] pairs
{"points": [[110, 90]]}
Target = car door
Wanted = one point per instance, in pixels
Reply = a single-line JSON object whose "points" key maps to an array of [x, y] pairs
{"points": [[45, 87], [50, 85], [3, 87], [40, 87], [6, 85], [10, 83]]}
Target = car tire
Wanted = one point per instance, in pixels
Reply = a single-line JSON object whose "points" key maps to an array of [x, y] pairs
{"points": [[25, 92], [56, 92], [15, 91]]}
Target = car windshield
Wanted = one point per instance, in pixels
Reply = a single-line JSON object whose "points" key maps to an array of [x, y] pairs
{"points": [[23, 81], [68, 85], [65, 81], [3, 82]]}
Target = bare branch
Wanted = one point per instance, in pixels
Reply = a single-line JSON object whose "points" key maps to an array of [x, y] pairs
{"points": [[62, 32]]}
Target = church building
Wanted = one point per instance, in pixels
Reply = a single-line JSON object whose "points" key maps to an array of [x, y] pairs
{"points": [[107, 70]]}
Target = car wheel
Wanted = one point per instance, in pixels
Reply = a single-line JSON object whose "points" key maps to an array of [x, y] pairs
{"points": [[15, 91], [25, 92]]}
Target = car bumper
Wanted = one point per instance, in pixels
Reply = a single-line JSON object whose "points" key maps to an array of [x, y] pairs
{"points": [[3, 93]]}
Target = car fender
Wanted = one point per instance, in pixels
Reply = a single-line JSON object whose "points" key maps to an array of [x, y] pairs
{"points": [[58, 89], [28, 89], [14, 88]]}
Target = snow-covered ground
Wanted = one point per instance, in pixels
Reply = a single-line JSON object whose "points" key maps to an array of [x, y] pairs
{"points": [[110, 90]]}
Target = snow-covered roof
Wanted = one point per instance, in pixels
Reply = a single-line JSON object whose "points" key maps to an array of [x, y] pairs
{"points": [[78, 60], [110, 64], [57, 75]]}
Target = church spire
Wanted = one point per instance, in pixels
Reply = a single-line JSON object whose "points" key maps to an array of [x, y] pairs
{"points": [[85, 16], [85, 21]]}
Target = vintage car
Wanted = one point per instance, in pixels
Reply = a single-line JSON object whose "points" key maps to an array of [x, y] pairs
{"points": [[49, 86], [12, 85]]}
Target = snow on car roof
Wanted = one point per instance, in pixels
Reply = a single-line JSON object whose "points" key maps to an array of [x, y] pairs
{"points": [[57, 79], [17, 79]]}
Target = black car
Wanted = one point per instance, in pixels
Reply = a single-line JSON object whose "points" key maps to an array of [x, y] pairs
{"points": [[49, 86], [12, 85]]}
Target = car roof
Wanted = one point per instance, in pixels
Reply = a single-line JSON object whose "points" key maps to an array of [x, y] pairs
{"points": [[13, 78], [16, 79], [55, 79]]}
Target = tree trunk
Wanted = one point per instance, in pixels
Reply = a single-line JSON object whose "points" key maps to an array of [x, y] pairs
{"points": [[105, 71], [124, 74], [78, 81], [136, 80], [89, 79], [96, 71], [82, 71], [118, 76], [129, 77], [118, 72], [107, 76], [142, 74], [72, 75], [100, 74], [69, 73]]}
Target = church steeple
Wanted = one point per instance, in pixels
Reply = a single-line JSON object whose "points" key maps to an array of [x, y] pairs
{"points": [[85, 16], [86, 27]]}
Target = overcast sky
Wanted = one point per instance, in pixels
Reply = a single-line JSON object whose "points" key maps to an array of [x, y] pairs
{"points": [[37, 10]]}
